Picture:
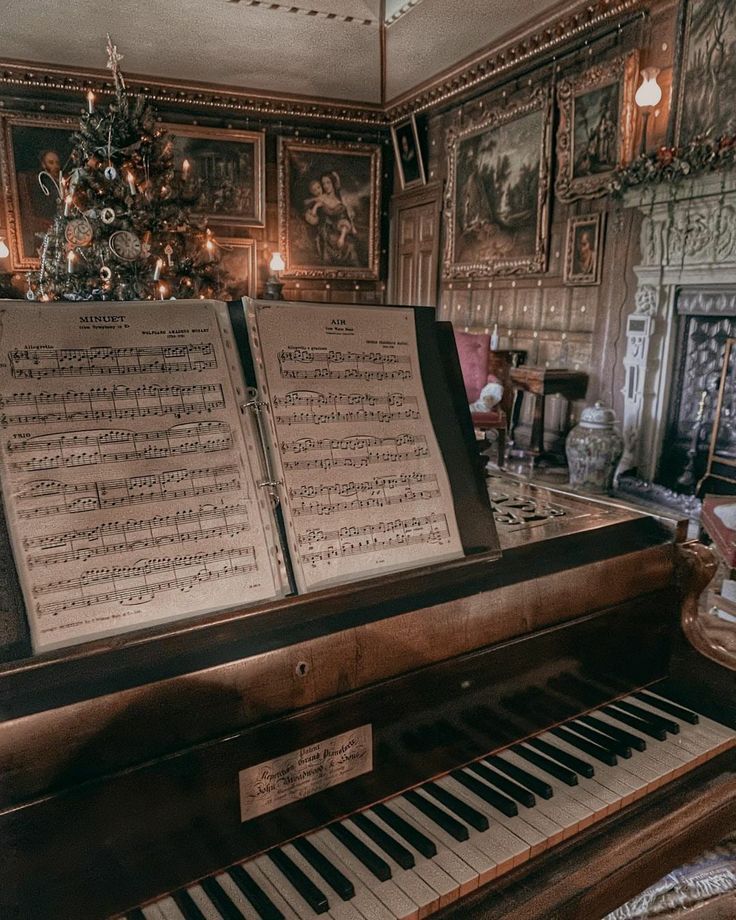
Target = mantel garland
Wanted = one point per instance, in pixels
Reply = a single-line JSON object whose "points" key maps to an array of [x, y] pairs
{"points": [[672, 164]]}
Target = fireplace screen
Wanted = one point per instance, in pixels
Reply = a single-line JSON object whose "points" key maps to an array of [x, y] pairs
{"points": [[720, 475]]}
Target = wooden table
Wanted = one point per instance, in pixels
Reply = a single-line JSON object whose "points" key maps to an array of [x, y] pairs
{"points": [[542, 382]]}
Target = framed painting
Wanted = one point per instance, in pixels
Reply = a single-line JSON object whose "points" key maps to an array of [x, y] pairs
{"points": [[497, 198], [408, 154], [596, 129], [35, 152], [707, 77], [329, 208], [238, 264], [224, 173], [583, 247]]}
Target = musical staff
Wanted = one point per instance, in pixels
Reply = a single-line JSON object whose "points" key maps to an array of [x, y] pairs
{"points": [[368, 365], [430, 529], [48, 497], [46, 361], [191, 525], [89, 448], [143, 582], [363, 407], [360, 451], [373, 493], [110, 403]]}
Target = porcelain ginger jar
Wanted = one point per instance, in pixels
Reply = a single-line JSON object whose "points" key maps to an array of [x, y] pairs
{"points": [[593, 449]]}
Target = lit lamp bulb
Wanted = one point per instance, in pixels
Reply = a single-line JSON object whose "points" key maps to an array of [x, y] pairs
{"points": [[4, 251], [647, 96], [274, 287]]}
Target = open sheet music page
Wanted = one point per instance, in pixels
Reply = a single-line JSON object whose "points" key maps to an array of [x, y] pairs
{"points": [[128, 475], [364, 485]]}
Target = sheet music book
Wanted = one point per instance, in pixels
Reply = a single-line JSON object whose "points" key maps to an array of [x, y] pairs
{"points": [[145, 478]]}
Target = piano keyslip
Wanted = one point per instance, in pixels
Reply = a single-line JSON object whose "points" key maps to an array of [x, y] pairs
{"points": [[465, 838]]}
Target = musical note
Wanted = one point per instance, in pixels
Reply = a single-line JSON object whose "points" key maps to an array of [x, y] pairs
{"points": [[47, 497], [365, 407], [430, 529], [136, 535], [147, 579], [373, 493], [104, 403], [359, 452], [46, 361], [89, 448]]}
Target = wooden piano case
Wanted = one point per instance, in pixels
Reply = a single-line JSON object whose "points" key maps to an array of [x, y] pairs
{"points": [[120, 758]]}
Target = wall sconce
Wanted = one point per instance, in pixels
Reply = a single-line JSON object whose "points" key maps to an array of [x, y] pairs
{"points": [[274, 287], [4, 251], [647, 96]]}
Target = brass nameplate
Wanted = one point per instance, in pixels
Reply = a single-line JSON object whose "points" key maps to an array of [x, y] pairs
{"points": [[278, 782]]}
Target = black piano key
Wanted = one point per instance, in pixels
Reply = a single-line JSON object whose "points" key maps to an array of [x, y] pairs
{"points": [[186, 905], [262, 904], [372, 861], [605, 741], [465, 812], [620, 734], [672, 709], [569, 777], [316, 899], [448, 824], [582, 767], [415, 838], [513, 790], [542, 789], [599, 752], [397, 851], [219, 898], [322, 865], [495, 799], [667, 724], [135, 914], [646, 728]]}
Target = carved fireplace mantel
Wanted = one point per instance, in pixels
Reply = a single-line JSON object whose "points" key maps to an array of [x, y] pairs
{"points": [[688, 240]]}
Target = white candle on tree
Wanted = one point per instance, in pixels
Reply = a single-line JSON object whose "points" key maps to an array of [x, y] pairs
{"points": [[90, 102], [70, 263], [131, 181], [157, 270]]}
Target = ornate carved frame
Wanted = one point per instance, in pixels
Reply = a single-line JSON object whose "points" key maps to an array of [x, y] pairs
{"points": [[540, 99], [622, 70], [572, 224], [370, 273], [19, 260], [257, 138]]}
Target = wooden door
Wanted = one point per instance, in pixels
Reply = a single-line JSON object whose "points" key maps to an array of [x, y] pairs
{"points": [[415, 229]]}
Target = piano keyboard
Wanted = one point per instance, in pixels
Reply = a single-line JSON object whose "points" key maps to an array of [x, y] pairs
{"points": [[420, 851]]}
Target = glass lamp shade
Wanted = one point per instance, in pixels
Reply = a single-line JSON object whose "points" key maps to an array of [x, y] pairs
{"points": [[276, 264], [649, 93]]}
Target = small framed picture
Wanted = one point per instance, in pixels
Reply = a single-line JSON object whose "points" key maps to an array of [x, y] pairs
{"points": [[408, 153], [238, 261], [583, 249]]}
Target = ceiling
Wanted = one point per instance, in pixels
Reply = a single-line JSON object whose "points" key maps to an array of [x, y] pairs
{"points": [[327, 49]]}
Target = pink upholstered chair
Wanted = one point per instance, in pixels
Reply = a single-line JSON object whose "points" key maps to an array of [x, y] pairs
{"points": [[474, 351]]}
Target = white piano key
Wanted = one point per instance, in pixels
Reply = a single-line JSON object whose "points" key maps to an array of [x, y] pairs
{"points": [[277, 895], [398, 903], [426, 898], [477, 860], [237, 896], [587, 791], [279, 881], [567, 812], [203, 903], [448, 860], [533, 838], [152, 912], [339, 909], [169, 910], [706, 734]]}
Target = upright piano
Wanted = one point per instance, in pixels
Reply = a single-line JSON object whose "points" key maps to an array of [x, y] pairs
{"points": [[128, 766]]}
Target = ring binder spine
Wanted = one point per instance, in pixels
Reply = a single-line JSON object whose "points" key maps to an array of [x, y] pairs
{"points": [[270, 484]]}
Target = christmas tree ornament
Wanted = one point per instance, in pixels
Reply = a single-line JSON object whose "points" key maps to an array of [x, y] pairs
{"points": [[111, 173], [107, 215], [78, 232], [106, 273], [125, 245]]}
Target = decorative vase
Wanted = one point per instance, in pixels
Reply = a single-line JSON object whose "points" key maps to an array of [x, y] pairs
{"points": [[593, 449]]}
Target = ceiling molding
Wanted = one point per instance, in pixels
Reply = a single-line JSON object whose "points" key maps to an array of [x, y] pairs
{"points": [[399, 10], [488, 64], [306, 11], [483, 68]]}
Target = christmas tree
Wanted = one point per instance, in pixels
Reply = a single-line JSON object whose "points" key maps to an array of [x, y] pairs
{"points": [[122, 230]]}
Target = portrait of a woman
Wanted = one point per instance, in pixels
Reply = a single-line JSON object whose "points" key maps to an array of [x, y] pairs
{"points": [[328, 208]]}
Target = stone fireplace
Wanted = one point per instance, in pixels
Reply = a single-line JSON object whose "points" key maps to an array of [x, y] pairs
{"points": [[684, 309]]}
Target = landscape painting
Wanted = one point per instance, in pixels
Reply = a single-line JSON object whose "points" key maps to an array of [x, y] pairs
{"points": [[708, 77], [497, 207]]}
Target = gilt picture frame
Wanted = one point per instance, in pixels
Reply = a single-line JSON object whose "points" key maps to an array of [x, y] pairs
{"points": [[597, 120], [583, 248], [329, 200], [497, 194], [32, 144], [706, 79], [408, 153], [226, 173], [238, 259]]}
